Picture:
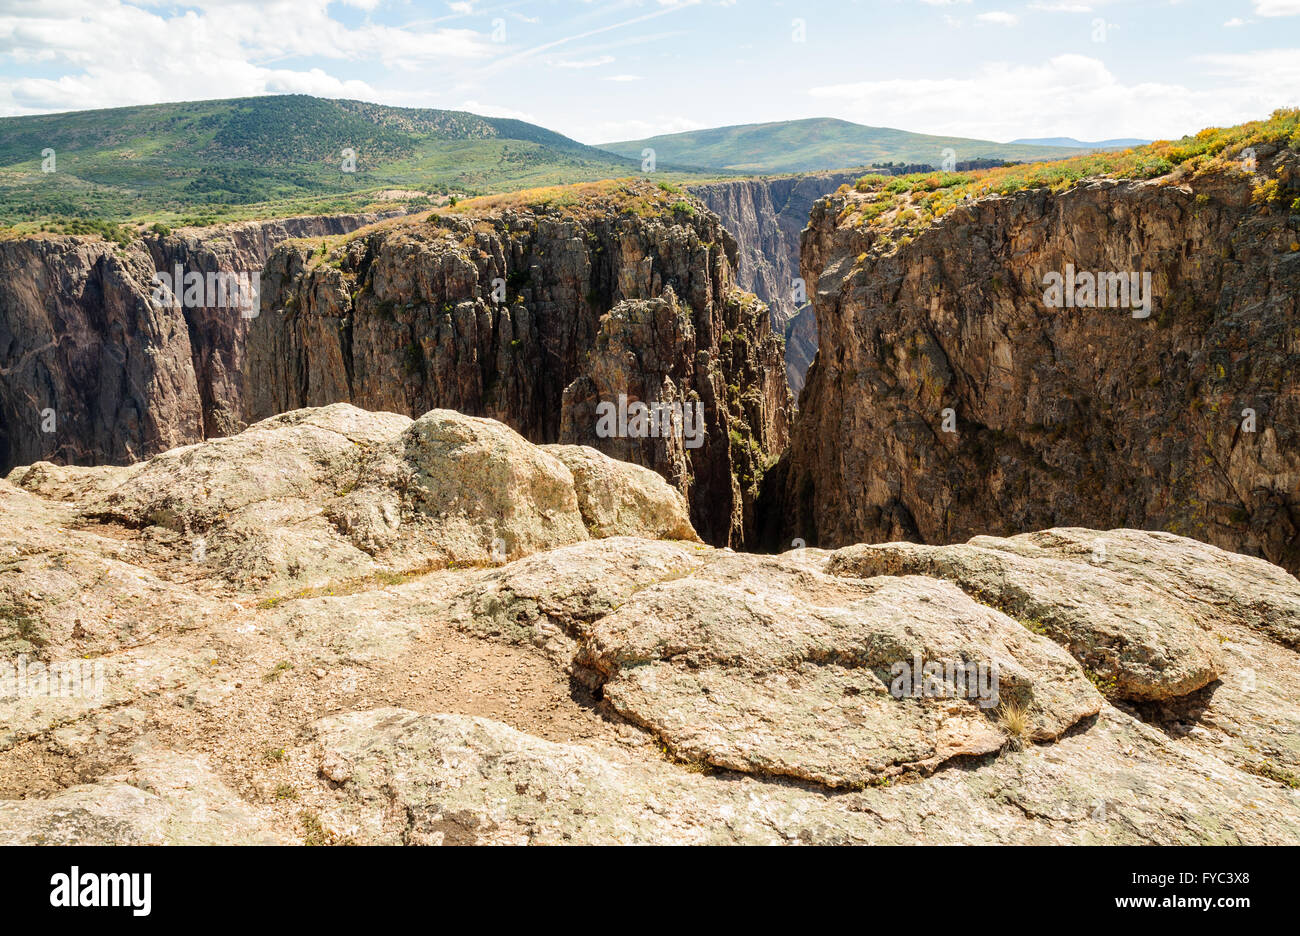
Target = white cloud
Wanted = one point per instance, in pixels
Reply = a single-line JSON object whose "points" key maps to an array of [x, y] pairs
{"points": [[117, 53], [624, 78], [1070, 95], [610, 131], [496, 110], [316, 82], [1262, 70], [1061, 6], [1277, 7], [1234, 22], [998, 18], [581, 63]]}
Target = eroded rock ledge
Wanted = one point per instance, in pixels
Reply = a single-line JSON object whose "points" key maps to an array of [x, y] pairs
{"points": [[351, 657]]}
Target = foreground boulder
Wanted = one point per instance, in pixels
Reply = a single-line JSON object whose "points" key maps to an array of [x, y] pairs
{"points": [[165, 800], [400, 777], [320, 494], [460, 489], [618, 498], [767, 671], [761, 665], [1119, 601], [1124, 631]]}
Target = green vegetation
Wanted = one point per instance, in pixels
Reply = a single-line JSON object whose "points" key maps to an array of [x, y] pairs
{"points": [[1035, 626], [1271, 771], [274, 673], [1104, 684], [213, 161], [313, 832], [905, 204], [817, 144], [634, 196]]}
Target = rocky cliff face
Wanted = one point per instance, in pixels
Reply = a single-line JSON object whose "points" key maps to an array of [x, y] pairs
{"points": [[92, 371], [536, 315], [766, 217], [949, 397], [533, 315]]}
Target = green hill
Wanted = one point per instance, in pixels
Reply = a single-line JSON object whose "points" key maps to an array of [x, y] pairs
{"points": [[219, 160], [817, 144]]}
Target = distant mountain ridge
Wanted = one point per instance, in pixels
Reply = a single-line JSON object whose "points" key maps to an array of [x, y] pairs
{"points": [[819, 144], [290, 153]]}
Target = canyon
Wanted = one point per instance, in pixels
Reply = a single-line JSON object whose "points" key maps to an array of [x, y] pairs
{"points": [[766, 217], [81, 339], [371, 564], [531, 314]]}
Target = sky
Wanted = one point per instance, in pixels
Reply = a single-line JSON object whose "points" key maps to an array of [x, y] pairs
{"points": [[626, 69]]}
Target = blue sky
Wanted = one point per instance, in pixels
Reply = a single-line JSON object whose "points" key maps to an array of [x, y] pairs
{"points": [[602, 71]]}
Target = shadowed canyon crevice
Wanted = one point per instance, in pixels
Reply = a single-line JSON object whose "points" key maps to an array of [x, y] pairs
{"points": [[766, 216]]}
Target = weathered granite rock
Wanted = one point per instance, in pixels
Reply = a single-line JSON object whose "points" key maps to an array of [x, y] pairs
{"points": [[65, 596], [621, 499], [320, 494], [165, 800], [429, 779], [761, 665], [549, 600], [1147, 641], [472, 486], [254, 504], [612, 690], [411, 779], [70, 482]]}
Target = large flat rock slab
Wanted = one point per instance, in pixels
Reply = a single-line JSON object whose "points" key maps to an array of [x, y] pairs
{"points": [[1144, 634]]}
